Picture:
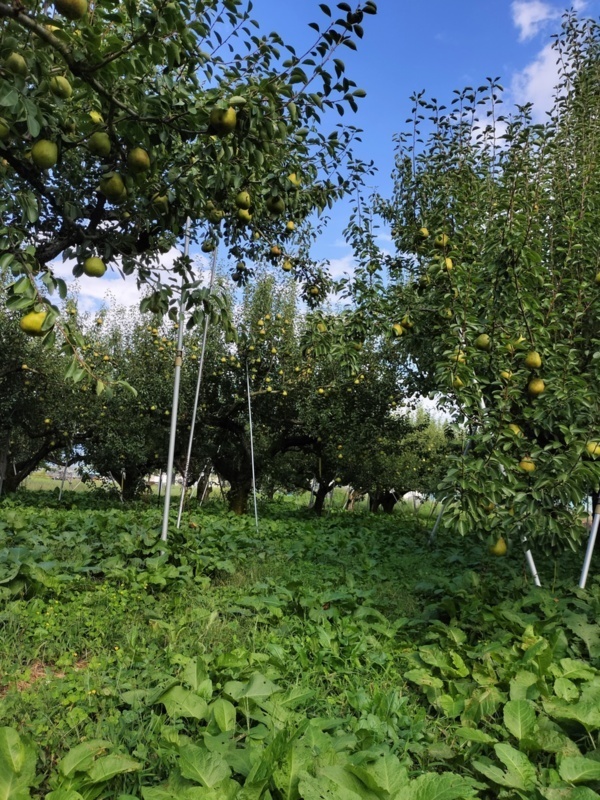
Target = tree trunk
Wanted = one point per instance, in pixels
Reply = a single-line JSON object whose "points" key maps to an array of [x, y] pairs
{"points": [[388, 501], [322, 491], [374, 501], [4, 445], [237, 497], [16, 474], [133, 483]]}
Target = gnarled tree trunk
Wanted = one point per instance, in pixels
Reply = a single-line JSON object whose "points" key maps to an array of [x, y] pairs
{"points": [[323, 490], [238, 495]]}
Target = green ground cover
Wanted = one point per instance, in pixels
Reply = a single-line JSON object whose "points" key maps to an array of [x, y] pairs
{"points": [[316, 658]]}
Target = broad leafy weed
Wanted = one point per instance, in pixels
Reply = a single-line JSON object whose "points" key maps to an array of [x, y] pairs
{"points": [[331, 659]]}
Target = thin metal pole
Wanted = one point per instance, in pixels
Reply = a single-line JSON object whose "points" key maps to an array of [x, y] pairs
{"points": [[188, 457], [62, 483], [531, 562], [590, 548], [205, 489], [175, 405], [251, 446]]}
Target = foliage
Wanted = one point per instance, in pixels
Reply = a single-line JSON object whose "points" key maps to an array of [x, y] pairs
{"points": [[496, 260], [126, 103], [311, 656], [41, 419]]}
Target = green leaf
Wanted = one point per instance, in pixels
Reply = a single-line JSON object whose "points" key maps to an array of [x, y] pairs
{"points": [[198, 764], [451, 706], [63, 794], [287, 776], [258, 688], [14, 785], [194, 674], [482, 703], [520, 772], [474, 735], [324, 789], [578, 769], [588, 632], [160, 793], [224, 714], [569, 793], [576, 670], [385, 774], [566, 689], [81, 757], [519, 718], [12, 750], [107, 767], [434, 786], [180, 702], [423, 677]]}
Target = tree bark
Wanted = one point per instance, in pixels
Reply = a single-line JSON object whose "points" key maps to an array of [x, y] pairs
{"points": [[374, 501], [4, 445], [322, 491], [237, 496], [388, 501]]}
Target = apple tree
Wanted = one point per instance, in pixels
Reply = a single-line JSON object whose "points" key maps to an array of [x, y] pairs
{"points": [[493, 290]]}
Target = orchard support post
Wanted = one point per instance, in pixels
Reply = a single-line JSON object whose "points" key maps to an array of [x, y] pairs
{"points": [[590, 548], [188, 457], [175, 405], [252, 447], [530, 562]]}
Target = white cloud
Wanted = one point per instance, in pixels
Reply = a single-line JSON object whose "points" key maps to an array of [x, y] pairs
{"points": [[531, 16], [535, 83], [112, 289], [338, 267]]}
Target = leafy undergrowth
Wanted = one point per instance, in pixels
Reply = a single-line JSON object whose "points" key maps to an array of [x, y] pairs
{"points": [[334, 659]]}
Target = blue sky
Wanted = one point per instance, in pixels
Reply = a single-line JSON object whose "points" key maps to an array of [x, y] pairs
{"points": [[436, 45]]}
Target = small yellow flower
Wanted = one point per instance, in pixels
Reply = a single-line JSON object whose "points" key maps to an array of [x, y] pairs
{"points": [[116, 648]]}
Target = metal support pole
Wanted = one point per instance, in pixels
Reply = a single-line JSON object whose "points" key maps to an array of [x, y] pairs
{"points": [[62, 483], [175, 405], [590, 548], [530, 562], [204, 490], [252, 447], [188, 457]]}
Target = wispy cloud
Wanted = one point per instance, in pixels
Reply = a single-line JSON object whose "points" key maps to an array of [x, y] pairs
{"points": [[342, 266], [531, 16], [536, 82]]}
